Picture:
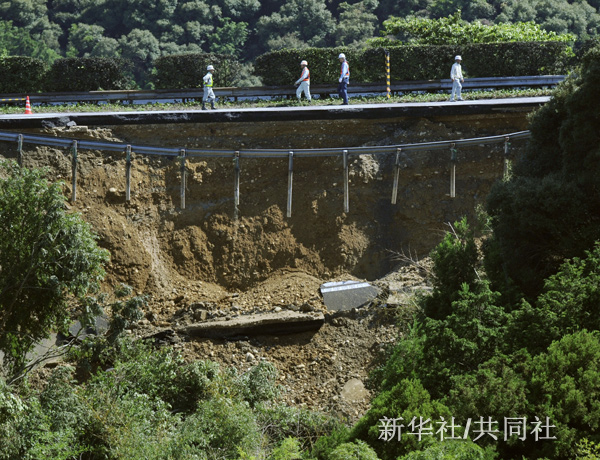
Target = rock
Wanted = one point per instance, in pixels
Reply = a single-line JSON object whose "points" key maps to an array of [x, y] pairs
{"points": [[353, 391]]}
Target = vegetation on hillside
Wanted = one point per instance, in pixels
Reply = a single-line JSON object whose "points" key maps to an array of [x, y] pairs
{"points": [[140, 31]]}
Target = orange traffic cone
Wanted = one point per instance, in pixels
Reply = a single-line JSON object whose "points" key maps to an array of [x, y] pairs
{"points": [[28, 107]]}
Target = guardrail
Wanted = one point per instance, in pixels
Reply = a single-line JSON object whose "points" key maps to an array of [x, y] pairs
{"points": [[183, 154], [256, 92]]}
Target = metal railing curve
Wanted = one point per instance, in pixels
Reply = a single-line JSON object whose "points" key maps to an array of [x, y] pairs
{"points": [[184, 153]]}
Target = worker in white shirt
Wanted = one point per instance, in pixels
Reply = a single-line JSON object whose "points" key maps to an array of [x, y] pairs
{"points": [[303, 83], [209, 94], [457, 79], [344, 78]]}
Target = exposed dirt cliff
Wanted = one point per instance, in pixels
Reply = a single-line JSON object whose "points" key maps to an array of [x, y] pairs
{"points": [[203, 258]]}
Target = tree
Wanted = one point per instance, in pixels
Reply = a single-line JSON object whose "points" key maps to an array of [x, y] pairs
{"points": [[47, 257], [309, 20], [549, 210], [15, 41], [357, 23]]}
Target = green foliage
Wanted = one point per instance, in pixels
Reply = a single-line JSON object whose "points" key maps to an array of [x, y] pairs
{"points": [[587, 450], [416, 62], [17, 41], [280, 421], [406, 400], [187, 70], [12, 411], [259, 384], [357, 23], [498, 388], [20, 74], [453, 30], [326, 444], [159, 374], [87, 74], [357, 450], [52, 255], [455, 262], [289, 449], [217, 430], [309, 22], [549, 210], [565, 386], [570, 298], [452, 450]]}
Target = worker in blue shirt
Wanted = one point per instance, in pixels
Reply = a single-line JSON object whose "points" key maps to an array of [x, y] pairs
{"points": [[344, 78]]}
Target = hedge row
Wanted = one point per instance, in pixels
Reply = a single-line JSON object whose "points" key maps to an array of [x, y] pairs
{"points": [[186, 70], [423, 62], [416, 62], [20, 74]]}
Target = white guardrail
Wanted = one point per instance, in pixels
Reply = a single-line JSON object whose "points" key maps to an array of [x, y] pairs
{"points": [[183, 154], [258, 92]]}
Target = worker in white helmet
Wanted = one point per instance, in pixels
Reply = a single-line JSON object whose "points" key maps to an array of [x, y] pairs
{"points": [[457, 79], [303, 83], [344, 78], [209, 94]]}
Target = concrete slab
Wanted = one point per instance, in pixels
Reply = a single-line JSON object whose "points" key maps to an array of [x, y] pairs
{"points": [[283, 322], [346, 295]]}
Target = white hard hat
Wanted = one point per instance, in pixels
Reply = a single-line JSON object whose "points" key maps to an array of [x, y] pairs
{"points": [[304, 63], [210, 68], [342, 55], [458, 58]]}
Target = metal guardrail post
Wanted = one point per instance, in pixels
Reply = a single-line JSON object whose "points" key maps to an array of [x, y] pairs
{"points": [[183, 170], [74, 172], [506, 155], [396, 176], [453, 171], [290, 180], [236, 188], [128, 173], [20, 150], [346, 184]]}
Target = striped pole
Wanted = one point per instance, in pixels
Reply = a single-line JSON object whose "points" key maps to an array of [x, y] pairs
{"points": [[387, 72]]}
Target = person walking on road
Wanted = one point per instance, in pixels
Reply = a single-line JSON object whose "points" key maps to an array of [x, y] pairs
{"points": [[303, 83], [209, 94], [344, 78], [457, 79]]}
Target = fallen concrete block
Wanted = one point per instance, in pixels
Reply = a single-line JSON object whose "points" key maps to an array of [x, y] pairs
{"points": [[283, 322], [346, 295]]}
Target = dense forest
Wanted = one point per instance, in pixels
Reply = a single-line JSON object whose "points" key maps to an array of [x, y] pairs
{"points": [[143, 30]]}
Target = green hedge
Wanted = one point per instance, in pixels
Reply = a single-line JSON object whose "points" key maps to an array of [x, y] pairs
{"points": [[416, 62], [87, 74], [21, 74], [186, 70]]}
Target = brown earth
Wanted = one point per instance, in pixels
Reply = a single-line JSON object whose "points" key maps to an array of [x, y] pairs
{"points": [[201, 262]]}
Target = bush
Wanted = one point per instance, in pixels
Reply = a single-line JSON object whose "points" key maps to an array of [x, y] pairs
{"points": [[88, 74], [178, 71], [161, 375], [455, 262], [406, 400], [357, 450], [21, 74], [218, 430], [452, 450]]}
